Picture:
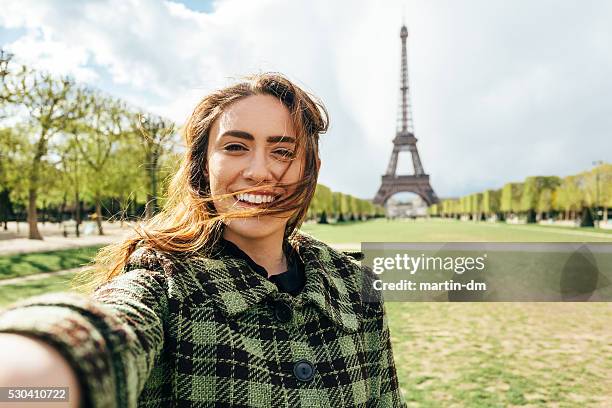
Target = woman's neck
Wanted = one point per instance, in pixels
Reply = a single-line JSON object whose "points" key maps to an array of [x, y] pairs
{"points": [[266, 252]]}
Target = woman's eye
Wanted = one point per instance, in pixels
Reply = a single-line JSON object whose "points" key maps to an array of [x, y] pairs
{"points": [[234, 147], [284, 153]]}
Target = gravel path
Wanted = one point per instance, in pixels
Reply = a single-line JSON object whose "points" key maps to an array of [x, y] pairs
{"points": [[11, 244]]}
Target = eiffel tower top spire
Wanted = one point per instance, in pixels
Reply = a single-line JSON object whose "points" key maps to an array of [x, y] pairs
{"points": [[405, 125]]}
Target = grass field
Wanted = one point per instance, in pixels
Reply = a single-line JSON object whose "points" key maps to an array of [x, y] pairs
{"points": [[56, 283], [439, 230], [477, 354], [13, 266]]}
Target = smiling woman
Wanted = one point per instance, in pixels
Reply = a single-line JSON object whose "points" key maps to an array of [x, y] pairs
{"points": [[220, 300]]}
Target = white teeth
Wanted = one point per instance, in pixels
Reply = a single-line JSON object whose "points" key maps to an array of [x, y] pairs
{"points": [[255, 199]]}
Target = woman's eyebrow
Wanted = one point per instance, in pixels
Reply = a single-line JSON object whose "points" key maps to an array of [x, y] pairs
{"points": [[238, 133], [281, 139], [246, 135]]}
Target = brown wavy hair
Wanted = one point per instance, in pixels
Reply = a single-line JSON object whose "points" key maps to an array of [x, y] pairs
{"points": [[188, 222]]}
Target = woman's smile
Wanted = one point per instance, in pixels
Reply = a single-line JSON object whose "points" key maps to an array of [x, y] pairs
{"points": [[255, 199]]}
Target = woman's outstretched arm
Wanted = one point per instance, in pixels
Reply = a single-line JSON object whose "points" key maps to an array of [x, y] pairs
{"points": [[110, 340]]}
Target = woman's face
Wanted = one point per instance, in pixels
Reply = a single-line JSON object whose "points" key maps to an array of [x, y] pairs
{"points": [[252, 144]]}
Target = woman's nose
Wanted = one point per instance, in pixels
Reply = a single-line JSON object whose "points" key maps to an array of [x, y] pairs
{"points": [[258, 169]]}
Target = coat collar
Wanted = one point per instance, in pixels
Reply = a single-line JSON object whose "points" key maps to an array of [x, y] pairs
{"points": [[332, 283]]}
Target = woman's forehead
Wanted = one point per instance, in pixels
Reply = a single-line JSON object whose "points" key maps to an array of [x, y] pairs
{"points": [[260, 115]]}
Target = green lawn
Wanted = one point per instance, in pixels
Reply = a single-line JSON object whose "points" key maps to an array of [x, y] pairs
{"points": [[439, 230], [12, 266], [476, 354], [55, 283], [503, 354]]}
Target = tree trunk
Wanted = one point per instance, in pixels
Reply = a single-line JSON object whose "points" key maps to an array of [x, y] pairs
{"points": [[63, 208], [4, 204], [586, 219], [32, 216], [41, 148], [323, 219], [77, 213], [99, 216], [531, 216], [605, 214], [44, 212]]}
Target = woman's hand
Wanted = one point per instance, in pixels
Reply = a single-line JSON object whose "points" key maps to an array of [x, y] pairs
{"points": [[29, 362]]}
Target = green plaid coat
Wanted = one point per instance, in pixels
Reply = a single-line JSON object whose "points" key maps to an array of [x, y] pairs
{"points": [[209, 332]]}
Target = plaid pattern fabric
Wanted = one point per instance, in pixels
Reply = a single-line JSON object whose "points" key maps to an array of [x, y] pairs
{"points": [[210, 332]]}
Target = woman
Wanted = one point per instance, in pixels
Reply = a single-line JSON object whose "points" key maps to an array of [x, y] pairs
{"points": [[219, 300]]}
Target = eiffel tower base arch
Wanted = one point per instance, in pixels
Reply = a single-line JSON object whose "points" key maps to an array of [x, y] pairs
{"points": [[417, 184]]}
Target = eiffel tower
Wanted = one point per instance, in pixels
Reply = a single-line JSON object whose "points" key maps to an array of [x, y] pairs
{"points": [[418, 182]]}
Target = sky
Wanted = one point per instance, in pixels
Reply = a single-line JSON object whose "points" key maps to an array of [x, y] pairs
{"points": [[500, 90]]}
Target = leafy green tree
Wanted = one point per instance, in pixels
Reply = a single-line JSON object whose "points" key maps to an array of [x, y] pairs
{"points": [[97, 137], [7, 93], [10, 146], [546, 202], [322, 203], [491, 202], [569, 196], [340, 205], [353, 208], [466, 205], [49, 103], [510, 199], [433, 210], [532, 188], [156, 135], [597, 186]]}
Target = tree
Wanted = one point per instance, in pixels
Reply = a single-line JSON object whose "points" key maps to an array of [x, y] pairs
{"points": [[9, 148], [510, 199], [532, 188], [352, 207], [50, 103], [7, 94], [475, 205], [491, 202], [322, 203], [340, 205], [598, 188], [569, 196], [546, 202], [156, 135], [96, 136]]}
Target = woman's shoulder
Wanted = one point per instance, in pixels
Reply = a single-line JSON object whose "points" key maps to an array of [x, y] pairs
{"points": [[305, 241], [175, 269], [345, 267], [154, 260]]}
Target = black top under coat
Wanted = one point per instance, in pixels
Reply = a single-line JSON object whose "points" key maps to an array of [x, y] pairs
{"points": [[291, 281]]}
